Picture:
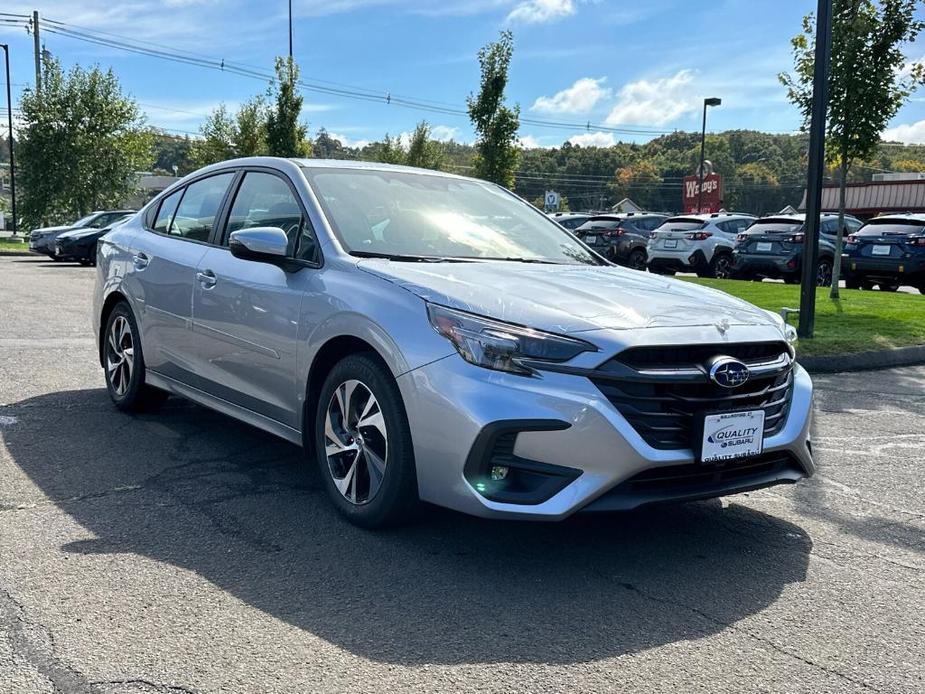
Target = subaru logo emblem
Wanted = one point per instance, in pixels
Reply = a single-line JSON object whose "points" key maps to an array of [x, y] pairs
{"points": [[728, 372]]}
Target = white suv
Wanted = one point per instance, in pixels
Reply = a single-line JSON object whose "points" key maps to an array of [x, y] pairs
{"points": [[700, 243]]}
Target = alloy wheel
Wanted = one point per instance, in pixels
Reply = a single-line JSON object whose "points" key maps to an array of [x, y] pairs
{"points": [[355, 442], [120, 355], [723, 268], [824, 274]]}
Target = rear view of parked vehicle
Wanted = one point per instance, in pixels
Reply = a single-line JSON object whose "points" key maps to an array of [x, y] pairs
{"points": [[80, 244], [621, 238], [772, 247], [701, 243], [570, 220], [889, 252]]}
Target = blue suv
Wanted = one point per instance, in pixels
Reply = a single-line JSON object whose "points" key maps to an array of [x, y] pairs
{"points": [[888, 251]]}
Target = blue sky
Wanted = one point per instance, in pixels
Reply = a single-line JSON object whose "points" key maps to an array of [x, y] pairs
{"points": [[647, 63]]}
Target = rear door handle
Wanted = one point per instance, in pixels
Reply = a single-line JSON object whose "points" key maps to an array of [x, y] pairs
{"points": [[140, 261], [206, 278]]}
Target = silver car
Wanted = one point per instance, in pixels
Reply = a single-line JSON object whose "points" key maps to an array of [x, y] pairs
{"points": [[432, 338], [701, 243]]}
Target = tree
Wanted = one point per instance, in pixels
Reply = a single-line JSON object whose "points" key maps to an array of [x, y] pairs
{"points": [[79, 145], [326, 147], [250, 129], [216, 138], [639, 181], [422, 151], [389, 151], [496, 125], [869, 82], [287, 136]]}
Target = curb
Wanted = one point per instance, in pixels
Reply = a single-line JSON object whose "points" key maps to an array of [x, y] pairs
{"points": [[21, 254], [865, 361]]}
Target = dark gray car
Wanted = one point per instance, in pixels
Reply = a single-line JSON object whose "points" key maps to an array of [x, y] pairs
{"points": [[621, 238]]}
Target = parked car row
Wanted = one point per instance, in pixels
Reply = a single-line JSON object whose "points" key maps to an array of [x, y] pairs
{"points": [[886, 252], [76, 241]]}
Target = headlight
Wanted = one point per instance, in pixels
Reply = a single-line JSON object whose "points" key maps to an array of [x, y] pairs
{"points": [[790, 333], [501, 346]]}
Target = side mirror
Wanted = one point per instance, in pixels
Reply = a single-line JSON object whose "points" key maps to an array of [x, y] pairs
{"points": [[263, 245]]}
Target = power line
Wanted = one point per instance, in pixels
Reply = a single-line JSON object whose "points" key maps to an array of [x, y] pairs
{"points": [[317, 86]]}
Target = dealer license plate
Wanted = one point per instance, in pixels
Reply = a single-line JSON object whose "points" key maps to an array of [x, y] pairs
{"points": [[671, 243], [732, 435], [763, 246], [590, 239], [881, 250]]}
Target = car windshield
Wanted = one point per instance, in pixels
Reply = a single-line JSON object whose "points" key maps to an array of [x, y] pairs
{"points": [[778, 227], [892, 228], [681, 225], [84, 221], [409, 216]]}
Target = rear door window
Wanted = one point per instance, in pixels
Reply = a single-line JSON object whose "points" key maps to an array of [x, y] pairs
{"points": [[166, 212], [201, 202]]}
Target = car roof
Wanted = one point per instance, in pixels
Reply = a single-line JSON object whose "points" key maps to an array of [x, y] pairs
{"points": [[898, 217], [709, 216], [798, 217]]}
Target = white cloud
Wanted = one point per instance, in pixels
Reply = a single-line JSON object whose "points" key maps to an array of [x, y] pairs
{"points": [[595, 139], [348, 142], [910, 133], [654, 102], [581, 97], [443, 133], [530, 142], [541, 11]]}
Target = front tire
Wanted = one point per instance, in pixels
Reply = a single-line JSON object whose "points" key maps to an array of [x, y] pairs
{"points": [[824, 273], [363, 444], [721, 266], [124, 364]]}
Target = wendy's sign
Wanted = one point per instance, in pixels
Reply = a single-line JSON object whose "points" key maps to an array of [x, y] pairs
{"points": [[712, 194]]}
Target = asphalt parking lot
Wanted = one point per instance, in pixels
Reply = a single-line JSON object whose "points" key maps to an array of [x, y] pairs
{"points": [[184, 552]]}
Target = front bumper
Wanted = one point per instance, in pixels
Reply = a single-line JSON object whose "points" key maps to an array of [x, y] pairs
{"points": [[566, 424]]}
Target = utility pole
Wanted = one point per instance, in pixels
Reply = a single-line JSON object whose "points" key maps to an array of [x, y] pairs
{"points": [[37, 43], [290, 31], [712, 101], [9, 117], [815, 169]]}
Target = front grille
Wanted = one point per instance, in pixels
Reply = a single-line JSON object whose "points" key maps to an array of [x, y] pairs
{"points": [[664, 409]]}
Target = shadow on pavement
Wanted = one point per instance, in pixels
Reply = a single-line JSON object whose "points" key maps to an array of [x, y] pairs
{"points": [[238, 507]]}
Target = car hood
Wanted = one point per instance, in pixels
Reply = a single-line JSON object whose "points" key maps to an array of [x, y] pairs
{"points": [[568, 299], [49, 230], [79, 232]]}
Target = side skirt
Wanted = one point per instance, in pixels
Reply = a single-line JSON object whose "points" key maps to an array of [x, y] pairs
{"points": [[228, 408]]}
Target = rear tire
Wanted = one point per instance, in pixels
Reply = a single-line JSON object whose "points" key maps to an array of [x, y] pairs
{"points": [[852, 283], [791, 279], [363, 444], [888, 287], [637, 260], [124, 364]]}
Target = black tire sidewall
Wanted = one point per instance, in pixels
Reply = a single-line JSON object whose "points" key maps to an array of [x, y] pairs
{"points": [[632, 262], [397, 498], [132, 397]]}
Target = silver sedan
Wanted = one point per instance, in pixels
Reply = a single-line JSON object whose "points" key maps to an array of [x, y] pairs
{"points": [[429, 337]]}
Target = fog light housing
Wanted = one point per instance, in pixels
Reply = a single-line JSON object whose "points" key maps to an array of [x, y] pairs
{"points": [[499, 472]]}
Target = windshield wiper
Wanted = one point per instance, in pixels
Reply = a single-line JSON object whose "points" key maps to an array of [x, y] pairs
{"points": [[398, 257], [536, 261]]}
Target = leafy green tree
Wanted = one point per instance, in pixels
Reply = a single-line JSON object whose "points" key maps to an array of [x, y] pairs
{"points": [[639, 181], [869, 81], [249, 135], [497, 153], [326, 147], [424, 152], [79, 145], [287, 136], [170, 151], [216, 140], [389, 151]]}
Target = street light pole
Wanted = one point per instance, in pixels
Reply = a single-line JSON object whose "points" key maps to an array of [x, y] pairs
{"points": [[712, 101], [290, 31], [815, 170], [9, 117]]}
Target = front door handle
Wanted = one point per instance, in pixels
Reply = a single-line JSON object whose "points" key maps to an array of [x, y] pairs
{"points": [[140, 261], [206, 278]]}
